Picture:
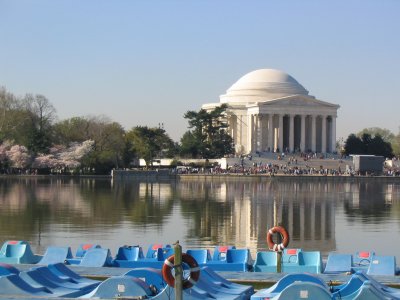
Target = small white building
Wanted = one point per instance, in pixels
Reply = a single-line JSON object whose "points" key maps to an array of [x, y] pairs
{"points": [[268, 110]]}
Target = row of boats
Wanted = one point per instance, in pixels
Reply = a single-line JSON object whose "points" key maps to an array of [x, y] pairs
{"points": [[59, 281], [223, 258]]}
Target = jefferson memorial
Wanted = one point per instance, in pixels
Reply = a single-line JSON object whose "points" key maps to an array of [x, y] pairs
{"points": [[268, 110]]}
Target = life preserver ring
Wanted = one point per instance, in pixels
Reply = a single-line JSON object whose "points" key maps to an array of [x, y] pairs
{"points": [[285, 239], [194, 276]]}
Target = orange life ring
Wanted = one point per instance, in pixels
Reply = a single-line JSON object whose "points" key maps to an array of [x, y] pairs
{"points": [[285, 239], [169, 264]]}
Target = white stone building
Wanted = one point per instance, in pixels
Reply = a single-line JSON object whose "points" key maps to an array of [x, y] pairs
{"points": [[268, 110]]}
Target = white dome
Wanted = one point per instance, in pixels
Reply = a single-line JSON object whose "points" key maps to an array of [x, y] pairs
{"points": [[266, 84]]}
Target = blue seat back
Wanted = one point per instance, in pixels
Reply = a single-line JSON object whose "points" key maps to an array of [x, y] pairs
{"points": [[202, 256], [18, 252], [97, 257], [56, 255], [362, 258], [338, 263], [83, 248], [130, 253], [312, 260], [266, 261], [382, 265], [291, 256], [238, 256], [220, 252], [153, 250]]}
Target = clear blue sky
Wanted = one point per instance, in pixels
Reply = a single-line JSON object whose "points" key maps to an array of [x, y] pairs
{"points": [[147, 62]]}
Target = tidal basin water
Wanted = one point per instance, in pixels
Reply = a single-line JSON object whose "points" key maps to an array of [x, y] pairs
{"points": [[320, 214]]}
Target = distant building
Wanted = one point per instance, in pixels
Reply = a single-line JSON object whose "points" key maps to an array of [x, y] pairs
{"points": [[268, 110]]}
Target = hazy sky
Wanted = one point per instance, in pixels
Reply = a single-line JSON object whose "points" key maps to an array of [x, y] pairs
{"points": [[148, 62]]}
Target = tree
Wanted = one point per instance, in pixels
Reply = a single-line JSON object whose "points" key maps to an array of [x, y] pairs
{"points": [[64, 157], [396, 144], [19, 156], [209, 132], [42, 114], [75, 129], [354, 145], [109, 149], [15, 122], [368, 145], [190, 146], [384, 133], [149, 143]]}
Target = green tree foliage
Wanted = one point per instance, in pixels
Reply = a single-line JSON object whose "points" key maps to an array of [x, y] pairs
{"points": [[209, 138], [368, 145], [396, 145], [15, 125], [150, 143], [109, 149], [75, 129], [41, 115], [190, 146], [384, 133]]}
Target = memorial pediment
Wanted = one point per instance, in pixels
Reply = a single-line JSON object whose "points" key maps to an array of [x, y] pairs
{"points": [[298, 101]]}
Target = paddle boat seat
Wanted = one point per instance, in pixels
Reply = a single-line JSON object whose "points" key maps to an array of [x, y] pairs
{"points": [[220, 252], [126, 255], [155, 257], [266, 261], [153, 250], [202, 256], [293, 261], [80, 253], [339, 263], [361, 260], [236, 260], [83, 248], [97, 257], [56, 255], [296, 260], [18, 252], [382, 265]]}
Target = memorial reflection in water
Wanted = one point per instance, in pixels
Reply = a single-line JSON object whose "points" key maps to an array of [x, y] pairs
{"points": [[319, 214]]}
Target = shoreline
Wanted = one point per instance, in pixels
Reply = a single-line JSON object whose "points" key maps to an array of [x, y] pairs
{"points": [[154, 175]]}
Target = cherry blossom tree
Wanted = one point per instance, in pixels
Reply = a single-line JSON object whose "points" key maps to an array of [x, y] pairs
{"points": [[64, 157], [19, 156]]}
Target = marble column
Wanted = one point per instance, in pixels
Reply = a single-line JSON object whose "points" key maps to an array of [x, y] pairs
{"points": [[333, 134], [240, 138], [291, 133], [323, 141], [280, 133], [270, 144], [313, 133], [249, 133], [254, 134], [259, 133], [303, 133]]}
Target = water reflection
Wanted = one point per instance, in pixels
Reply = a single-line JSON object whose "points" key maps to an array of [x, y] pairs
{"points": [[319, 214]]}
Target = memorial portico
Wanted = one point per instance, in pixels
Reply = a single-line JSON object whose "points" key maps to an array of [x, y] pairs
{"points": [[268, 110]]}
